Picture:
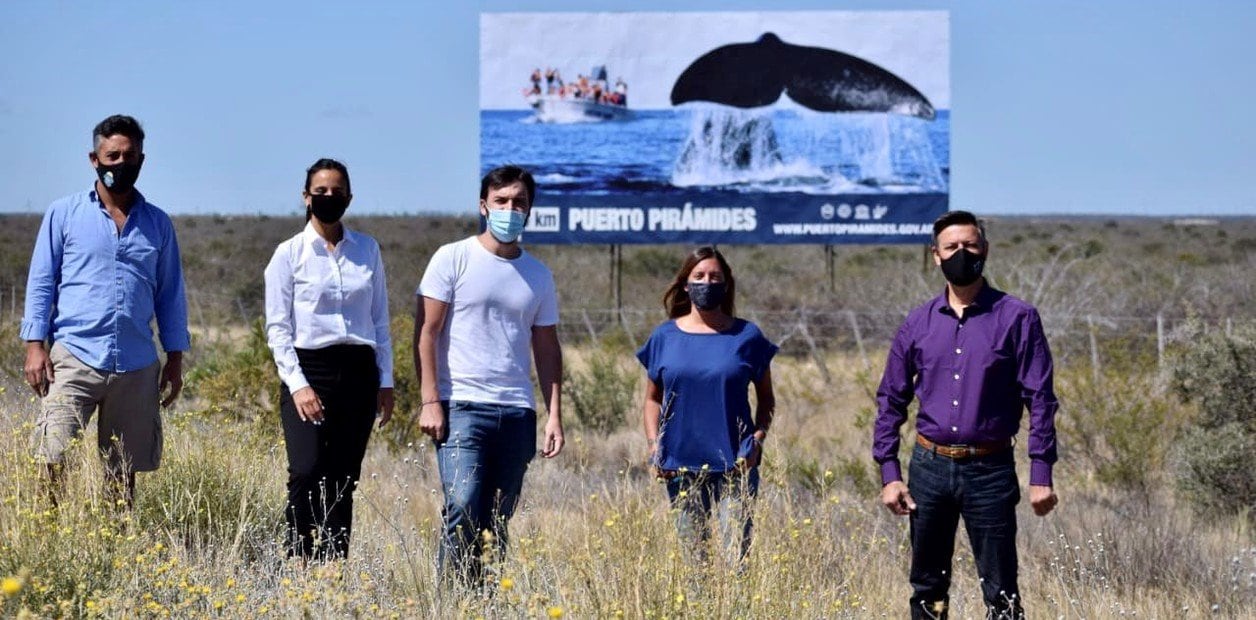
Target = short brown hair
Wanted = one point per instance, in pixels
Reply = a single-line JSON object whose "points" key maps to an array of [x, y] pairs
{"points": [[960, 218], [505, 175]]}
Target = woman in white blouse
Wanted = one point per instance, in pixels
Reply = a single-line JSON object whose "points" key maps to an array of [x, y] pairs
{"points": [[327, 324]]}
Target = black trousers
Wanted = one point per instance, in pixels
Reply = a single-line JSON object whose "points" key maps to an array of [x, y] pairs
{"points": [[984, 492], [325, 460]]}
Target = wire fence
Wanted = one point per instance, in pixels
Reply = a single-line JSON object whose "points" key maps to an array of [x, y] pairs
{"points": [[805, 332], [1092, 339]]}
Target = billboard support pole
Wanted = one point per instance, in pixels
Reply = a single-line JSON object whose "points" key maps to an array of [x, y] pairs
{"points": [[829, 259], [617, 281]]}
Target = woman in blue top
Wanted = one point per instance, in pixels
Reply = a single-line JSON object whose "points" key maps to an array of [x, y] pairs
{"points": [[703, 440]]}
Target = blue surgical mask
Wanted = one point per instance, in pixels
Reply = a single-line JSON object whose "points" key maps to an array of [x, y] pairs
{"points": [[506, 224]]}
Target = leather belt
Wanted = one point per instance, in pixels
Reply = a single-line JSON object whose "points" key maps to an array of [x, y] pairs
{"points": [[964, 451]]}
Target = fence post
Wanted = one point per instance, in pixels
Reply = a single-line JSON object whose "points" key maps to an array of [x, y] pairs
{"points": [[854, 326], [588, 324], [244, 315], [815, 351], [1094, 347], [1160, 341]]}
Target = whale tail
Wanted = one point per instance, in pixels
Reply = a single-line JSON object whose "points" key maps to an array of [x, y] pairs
{"points": [[751, 75]]}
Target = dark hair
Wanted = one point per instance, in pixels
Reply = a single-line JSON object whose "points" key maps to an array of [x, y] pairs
{"points": [[960, 218], [502, 176], [676, 299], [118, 124], [321, 165]]}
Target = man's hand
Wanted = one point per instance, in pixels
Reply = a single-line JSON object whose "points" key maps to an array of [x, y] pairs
{"points": [[309, 407], [38, 368], [384, 405], [897, 499], [432, 420], [553, 443], [172, 377], [1042, 498]]}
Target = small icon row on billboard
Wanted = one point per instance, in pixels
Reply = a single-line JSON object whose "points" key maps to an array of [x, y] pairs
{"points": [[847, 211]]}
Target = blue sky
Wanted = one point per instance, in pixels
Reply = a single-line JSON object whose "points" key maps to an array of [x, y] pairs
{"points": [[1058, 107]]}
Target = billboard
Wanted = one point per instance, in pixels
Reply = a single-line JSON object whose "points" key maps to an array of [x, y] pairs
{"points": [[730, 127]]}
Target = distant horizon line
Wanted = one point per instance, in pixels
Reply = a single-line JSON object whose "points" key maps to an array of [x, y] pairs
{"points": [[682, 107], [469, 213]]}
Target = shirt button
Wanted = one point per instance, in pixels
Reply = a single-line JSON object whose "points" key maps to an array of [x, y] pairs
{"points": [[955, 403], [954, 429], [957, 377], [958, 351]]}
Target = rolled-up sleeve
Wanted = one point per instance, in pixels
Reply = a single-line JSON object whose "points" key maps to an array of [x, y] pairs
{"points": [[280, 329], [43, 277]]}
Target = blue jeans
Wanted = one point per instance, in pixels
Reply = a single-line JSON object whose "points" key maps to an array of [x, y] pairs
{"points": [[482, 461], [731, 494], [984, 491]]}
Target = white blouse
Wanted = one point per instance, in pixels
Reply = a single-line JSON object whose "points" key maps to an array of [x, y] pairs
{"points": [[317, 297]]}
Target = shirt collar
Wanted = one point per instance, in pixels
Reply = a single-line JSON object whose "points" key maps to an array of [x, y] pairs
{"points": [[983, 302], [140, 201], [312, 237]]}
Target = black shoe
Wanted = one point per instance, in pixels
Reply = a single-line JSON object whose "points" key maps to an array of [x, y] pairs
{"points": [[929, 610]]}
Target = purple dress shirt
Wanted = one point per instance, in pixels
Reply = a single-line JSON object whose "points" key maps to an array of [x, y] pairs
{"points": [[973, 375]]}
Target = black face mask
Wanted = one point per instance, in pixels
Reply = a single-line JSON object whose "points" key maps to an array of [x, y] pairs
{"points": [[707, 295], [328, 208], [119, 178], [963, 267]]}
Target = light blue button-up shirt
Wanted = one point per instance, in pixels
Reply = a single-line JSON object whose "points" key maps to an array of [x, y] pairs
{"points": [[96, 290]]}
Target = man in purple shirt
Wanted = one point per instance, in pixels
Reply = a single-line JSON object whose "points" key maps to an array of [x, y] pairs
{"points": [[976, 357]]}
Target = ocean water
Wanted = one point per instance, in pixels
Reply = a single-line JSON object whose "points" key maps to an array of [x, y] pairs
{"points": [[720, 149]]}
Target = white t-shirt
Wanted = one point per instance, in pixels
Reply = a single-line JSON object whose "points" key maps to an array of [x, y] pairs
{"points": [[485, 350]]}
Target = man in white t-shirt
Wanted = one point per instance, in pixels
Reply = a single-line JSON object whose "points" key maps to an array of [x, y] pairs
{"points": [[485, 309]]}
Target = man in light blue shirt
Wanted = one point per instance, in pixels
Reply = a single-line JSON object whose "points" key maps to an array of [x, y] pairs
{"points": [[106, 263]]}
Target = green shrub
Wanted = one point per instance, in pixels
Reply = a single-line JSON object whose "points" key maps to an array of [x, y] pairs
{"points": [[1118, 426], [601, 394], [1213, 457], [404, 428], [1214, 469], [238, 381]]}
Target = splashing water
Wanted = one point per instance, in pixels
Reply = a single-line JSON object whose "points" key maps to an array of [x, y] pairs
{"points": [[773, 150]]}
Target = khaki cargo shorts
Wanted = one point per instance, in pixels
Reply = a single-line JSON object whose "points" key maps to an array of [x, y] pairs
{"points": [[129, 427]]}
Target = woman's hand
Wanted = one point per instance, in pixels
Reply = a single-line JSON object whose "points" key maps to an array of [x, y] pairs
{"points": [[309, 407], [384, 405], [652, 459], [755, 456]]}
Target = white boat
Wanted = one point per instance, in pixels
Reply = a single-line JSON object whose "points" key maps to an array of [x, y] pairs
{"points": [[554, 109]]}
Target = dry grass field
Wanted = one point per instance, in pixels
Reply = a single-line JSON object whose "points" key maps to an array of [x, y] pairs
{"points": [[593, 537]]}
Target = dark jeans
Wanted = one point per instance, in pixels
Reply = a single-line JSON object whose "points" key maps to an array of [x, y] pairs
{"points": [[325, 460], [731, 494], [482, 461], [982, 490]]}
